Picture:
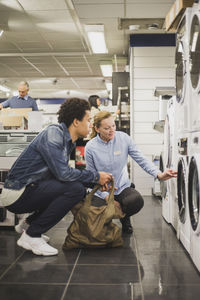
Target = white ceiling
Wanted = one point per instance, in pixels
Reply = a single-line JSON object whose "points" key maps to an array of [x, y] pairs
{"points": [[44, 42]]}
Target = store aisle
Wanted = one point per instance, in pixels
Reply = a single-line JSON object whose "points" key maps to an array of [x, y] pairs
{"points": [[152, 265]]}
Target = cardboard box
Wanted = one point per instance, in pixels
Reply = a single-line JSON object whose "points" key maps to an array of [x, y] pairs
{"points": [[175, 13], [11, 121], [14, 118], [16, 111]]}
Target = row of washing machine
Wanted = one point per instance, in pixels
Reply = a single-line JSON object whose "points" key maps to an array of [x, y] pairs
{"points": [[181, 196]]}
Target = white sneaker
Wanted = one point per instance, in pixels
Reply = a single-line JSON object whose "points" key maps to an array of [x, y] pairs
{"points": [[23, 226], [37, 245]]}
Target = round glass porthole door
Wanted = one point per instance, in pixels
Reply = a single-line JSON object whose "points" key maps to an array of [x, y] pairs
{"points": [[193, 194], [180, 62], [181, 186], [195, 52], [180, 71]]}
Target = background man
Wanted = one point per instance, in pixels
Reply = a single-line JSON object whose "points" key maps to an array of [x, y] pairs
{"points": [[23, 100]]}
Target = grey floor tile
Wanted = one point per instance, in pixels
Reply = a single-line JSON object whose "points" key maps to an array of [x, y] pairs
{"points": [[37, 272], [171, 292], [30, 292], [98, 292], [63, 258], [117, 256], [104, 274]]}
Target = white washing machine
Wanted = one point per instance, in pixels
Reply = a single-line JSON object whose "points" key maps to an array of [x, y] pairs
{"points": [[183, 229], [194, 198], [172, 159], [182, 72], [194, 68]]}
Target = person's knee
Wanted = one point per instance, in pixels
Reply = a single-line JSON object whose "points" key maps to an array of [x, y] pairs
{"points": [[133, 204], [77, 189]]}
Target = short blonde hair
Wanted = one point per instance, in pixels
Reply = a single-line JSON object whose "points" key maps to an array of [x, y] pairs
{"points": [[102, 115]]}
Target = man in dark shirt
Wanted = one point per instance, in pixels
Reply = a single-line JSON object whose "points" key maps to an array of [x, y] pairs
{"points": [[23, 100]]}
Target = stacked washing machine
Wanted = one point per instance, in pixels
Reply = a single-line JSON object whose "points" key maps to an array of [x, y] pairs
{"points": [[183, 127], [194, 149]]}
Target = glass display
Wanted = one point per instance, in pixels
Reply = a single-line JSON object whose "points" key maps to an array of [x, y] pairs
{"points": [[194, 196], [181, 191], [194, 62]]}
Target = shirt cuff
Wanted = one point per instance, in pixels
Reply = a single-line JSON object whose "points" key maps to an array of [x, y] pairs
{"points": [[96, 177]]}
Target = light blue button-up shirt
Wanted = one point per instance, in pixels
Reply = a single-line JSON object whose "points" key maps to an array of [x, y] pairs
{"points": [[112, 157]]}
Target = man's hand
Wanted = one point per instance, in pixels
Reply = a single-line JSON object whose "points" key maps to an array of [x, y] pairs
{"points": [[105, 178], [167, 174]]}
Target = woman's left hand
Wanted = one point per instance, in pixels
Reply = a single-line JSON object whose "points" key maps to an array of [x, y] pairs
{"points": [[167, 174]]}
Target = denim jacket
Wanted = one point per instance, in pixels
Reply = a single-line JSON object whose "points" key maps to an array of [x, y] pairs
{"points": [[46, 156]]}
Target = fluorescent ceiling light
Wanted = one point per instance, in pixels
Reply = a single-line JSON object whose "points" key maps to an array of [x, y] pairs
{"points": [[106, 70], [4, 89], [96, 38], [1, 32]]}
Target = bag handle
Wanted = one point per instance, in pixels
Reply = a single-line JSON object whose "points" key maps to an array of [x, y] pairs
{"points": [[98, 186]]}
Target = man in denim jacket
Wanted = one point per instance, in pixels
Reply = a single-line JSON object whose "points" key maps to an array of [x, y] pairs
{"points": [[42, 183]]}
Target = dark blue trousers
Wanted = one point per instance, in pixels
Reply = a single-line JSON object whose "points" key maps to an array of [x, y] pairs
{"points": [[49, 201]]}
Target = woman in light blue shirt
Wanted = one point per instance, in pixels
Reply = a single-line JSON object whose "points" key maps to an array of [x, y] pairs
{"points": [[108, 151]]}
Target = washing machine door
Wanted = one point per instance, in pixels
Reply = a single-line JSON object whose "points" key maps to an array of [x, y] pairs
{"points": [[193, 192], [181, 189], [180, 62], [194, 55]]}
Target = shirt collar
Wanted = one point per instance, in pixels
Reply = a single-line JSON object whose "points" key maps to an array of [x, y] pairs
{"points": [[25, 97], [103, 142], [66, 132]]}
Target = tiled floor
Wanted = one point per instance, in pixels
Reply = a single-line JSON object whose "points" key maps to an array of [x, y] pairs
{"points": [[152, 265]]}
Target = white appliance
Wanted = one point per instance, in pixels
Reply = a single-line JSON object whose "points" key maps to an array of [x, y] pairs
{"points": [[12, 143], [166, 208], [172, 159], [183, 229], [194, 198], [182, 72], [194, 68]]}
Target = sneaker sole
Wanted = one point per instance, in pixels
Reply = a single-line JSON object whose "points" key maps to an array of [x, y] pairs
{"points": [[44, 254], [35, 251]]}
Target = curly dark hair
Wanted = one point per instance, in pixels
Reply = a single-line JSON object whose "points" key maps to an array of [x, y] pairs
{"points": [[71, 109]]}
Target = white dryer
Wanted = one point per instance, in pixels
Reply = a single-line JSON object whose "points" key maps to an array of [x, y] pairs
{"points": [[194, 198], [183, 230], [194, 68], [182, 72]]}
